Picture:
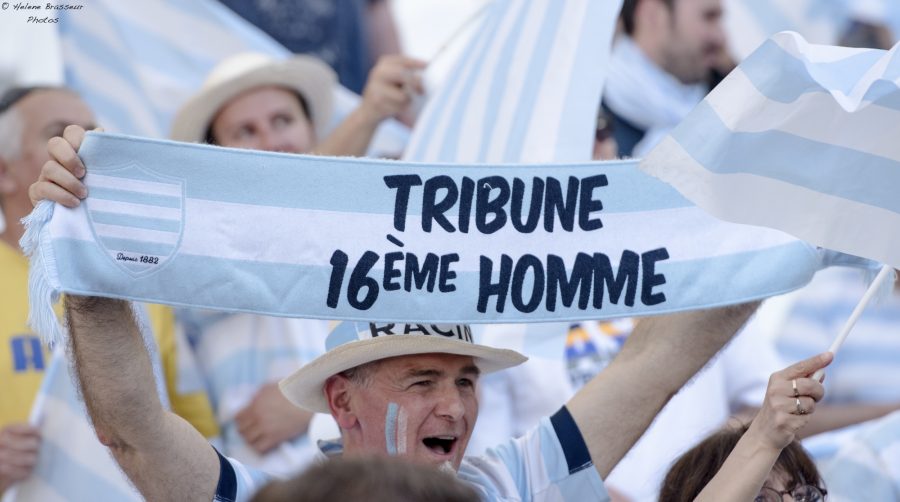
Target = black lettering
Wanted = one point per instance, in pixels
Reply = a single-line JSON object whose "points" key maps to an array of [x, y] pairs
{"points": [[534, 207], [427, 274], [518, 283], [359, 280], [390, 272], [485, 206], [627, 276], [487, 289], [386, 329], [433, 210], [553, 200], [437, 329], [587, 204], [415, 328], [446, 274], [650, 279], [580, 280], [338, 268], [465, 204], [402, 183]]}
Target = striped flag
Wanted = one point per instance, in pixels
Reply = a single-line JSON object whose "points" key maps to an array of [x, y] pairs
{"points": [[136, 65], [801, 138], [526, 89]]}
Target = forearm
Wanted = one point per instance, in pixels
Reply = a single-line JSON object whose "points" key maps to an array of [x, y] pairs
{"points": [[743, 473], [351, 138], [383, 37], [114, 369], [162, 454], [829, 417], [660, 356]]}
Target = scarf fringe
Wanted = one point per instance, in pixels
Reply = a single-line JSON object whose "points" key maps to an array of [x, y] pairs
{"points": [[44, 292]]}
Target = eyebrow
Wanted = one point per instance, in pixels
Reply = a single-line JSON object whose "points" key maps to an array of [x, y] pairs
{"points": [[412, 373], [470, 370]]}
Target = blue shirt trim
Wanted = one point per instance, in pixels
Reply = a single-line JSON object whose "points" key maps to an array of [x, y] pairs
{"points": [[577, 456], [226, 490]]}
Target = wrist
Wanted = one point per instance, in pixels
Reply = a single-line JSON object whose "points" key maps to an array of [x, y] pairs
{"points": [[758, 443], [365, 116]]}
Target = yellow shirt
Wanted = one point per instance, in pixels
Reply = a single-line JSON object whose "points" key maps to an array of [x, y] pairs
{"points": [[23, 358]]}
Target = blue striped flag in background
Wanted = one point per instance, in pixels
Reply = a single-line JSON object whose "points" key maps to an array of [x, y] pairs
{"points": [[526, 89], [801, 138]]}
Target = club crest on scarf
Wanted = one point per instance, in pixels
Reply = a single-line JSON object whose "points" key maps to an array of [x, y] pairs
{"points": [[140, 235]]}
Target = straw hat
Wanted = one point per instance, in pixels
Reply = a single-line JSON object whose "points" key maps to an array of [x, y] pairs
{"points": [[310, 77], [352, 344]]}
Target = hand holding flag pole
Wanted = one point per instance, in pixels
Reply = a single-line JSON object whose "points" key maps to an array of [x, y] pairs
{"points": [[882, 276]]}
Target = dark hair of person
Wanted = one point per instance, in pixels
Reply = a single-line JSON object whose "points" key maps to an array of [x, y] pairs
{"points": [[211, 138], [372, 479], [694, 470], [628, 9], [15, 94]]}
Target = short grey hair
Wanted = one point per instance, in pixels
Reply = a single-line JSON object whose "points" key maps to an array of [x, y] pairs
{"points": [[11, 128], [361, 375]]}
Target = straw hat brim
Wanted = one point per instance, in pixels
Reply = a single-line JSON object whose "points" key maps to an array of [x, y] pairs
{"points": [[311, 78], [305, 389]]}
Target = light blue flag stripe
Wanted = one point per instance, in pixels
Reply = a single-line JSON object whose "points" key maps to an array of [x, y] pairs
{"points": [[769, 65], [762, 154], [149, 248], [135, 197], [303, 181], [805, 147], [135, 221], [525, 56], [497, 87], [537, 66]]}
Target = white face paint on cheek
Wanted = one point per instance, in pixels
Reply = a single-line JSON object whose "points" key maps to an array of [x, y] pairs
{"points": [[395, 429], [401, 431]]}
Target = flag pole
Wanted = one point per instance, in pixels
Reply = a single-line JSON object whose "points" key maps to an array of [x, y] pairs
{"points": [[882, 276]]}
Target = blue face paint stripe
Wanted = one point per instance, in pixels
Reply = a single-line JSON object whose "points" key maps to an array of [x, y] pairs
{"points": [[390, 428]]}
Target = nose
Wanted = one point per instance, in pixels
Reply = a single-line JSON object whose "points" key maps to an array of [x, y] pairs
{"points": [[269, 140], [450, 404], [717, 37]]}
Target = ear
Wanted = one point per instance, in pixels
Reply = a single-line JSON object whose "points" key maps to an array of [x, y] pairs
{"points": [[7, 183], [338, 390]]}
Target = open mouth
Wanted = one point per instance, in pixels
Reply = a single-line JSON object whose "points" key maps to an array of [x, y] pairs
{"points": [[442, 445]]}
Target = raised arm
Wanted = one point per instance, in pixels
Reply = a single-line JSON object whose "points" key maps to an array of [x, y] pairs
{"points": [[162, 454], [389, 91], [662, 353], [775, 426]]}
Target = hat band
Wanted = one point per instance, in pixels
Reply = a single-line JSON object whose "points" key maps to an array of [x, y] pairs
{"points": [[461, 332]]}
